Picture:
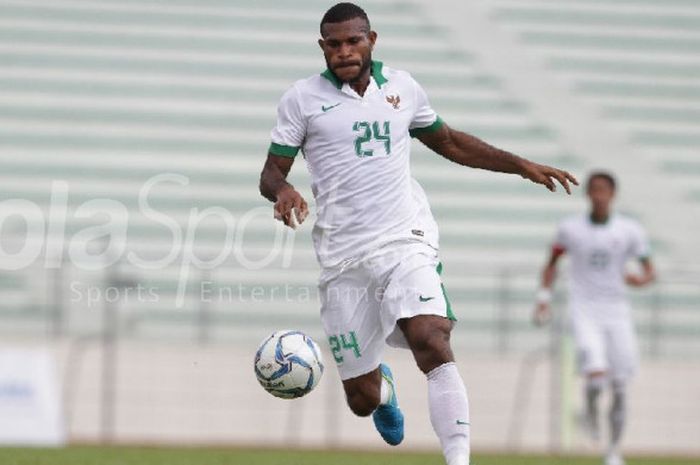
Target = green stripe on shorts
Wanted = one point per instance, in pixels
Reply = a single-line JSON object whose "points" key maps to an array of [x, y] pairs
{"points": [[450, 313]]}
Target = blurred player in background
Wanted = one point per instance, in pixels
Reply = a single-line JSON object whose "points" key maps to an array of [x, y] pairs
{"points": [[600, 245], [375, 236]]}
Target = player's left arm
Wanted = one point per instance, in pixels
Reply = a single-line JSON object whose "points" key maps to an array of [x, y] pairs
{"points": [[640, 248], [647, 275], [471, 151]]}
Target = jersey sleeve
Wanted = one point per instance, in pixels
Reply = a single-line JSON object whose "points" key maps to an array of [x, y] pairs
{"points": [[640, 246], [561, 239], [424, 120], [288, 134]]}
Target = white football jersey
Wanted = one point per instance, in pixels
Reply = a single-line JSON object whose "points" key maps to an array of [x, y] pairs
{"points": [[598, 256], [357, 151]]}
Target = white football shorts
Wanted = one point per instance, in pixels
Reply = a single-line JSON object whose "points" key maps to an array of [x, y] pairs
{"points": [[608, 345], [362, 301]]}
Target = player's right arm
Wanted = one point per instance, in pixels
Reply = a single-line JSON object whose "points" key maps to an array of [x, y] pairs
{"points": [[544, 295], [287, 138], [275, 188]]}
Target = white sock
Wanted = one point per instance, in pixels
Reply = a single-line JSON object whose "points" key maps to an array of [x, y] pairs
{"points": [[449, 412], [384, 392], [617, 415], [594, 385]]}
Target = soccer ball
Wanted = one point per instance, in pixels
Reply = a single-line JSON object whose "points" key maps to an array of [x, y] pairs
{"points": [[288, 364]]}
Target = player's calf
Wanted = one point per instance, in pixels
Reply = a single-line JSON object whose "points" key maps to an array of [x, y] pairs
{"points": [[363, 393], [374, 394]]}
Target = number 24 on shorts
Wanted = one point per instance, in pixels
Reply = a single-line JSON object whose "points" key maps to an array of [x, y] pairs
{"points": [[340, 342]]}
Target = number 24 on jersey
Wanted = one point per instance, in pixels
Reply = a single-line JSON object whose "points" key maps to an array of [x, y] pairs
{"points": [[369, 131]]}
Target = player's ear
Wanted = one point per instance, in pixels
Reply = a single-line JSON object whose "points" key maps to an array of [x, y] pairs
{"points": [[320, 43], [372, 38]]}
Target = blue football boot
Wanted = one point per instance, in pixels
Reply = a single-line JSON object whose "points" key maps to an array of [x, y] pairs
{"points": [[388, 418]]}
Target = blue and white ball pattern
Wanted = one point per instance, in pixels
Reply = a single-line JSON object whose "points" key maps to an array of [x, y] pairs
{"points": [[288, 364]]}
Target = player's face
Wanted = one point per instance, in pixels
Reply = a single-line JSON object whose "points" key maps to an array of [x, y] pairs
{"points": [[601, 193], [347, 47]]}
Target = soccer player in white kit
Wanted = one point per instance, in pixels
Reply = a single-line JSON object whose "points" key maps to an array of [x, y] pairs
{"points": [[599, 246], [375, 237]]}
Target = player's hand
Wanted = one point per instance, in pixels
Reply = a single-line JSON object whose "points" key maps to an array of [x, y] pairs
{"points": [[636, 280], [542, 315], [290, 208], [546, 175]]}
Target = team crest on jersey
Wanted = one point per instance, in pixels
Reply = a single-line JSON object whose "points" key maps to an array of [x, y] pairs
{"points": [[394, 100]]}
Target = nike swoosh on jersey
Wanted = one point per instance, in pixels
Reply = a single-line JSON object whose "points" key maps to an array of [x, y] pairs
{"points": [[425, 299], [325, 108]]}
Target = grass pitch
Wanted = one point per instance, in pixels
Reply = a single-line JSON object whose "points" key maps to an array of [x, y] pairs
{"points": [[88, 455]]}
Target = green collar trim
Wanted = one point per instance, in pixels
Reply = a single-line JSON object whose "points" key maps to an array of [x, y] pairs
{"points": [[375, 72], [330, 75], [597, 222]]}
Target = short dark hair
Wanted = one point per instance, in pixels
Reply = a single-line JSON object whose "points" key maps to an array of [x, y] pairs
{"points": [[605, 175], [343, 12]]}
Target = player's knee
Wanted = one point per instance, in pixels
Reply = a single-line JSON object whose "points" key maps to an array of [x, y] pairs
{"points": [[362, 401], [618, 388], [596, 379], [433, 350]]}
